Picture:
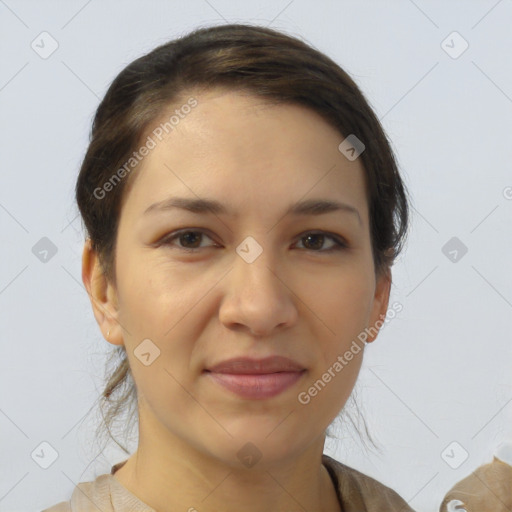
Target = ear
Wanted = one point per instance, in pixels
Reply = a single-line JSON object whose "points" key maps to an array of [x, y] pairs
{"points": [[102, 294], [380, 304]]}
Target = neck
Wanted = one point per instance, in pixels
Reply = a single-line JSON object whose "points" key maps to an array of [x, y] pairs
{"points": [[179, 477]]}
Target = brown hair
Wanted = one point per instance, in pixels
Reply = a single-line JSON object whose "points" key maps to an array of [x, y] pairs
{"points": [[271, 65]]}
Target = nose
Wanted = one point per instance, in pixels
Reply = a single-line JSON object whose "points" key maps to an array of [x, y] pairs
{"points": [[257, 298]]}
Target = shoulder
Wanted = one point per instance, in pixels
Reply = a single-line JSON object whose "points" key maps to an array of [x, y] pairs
{"points": [[105, 494], [362, 492], [88, 497]]}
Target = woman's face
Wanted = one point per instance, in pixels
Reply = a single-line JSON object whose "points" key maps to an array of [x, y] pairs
{"points": [[245, 283]]}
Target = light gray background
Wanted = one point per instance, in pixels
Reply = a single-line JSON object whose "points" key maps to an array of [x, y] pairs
{"points": [[439, 372]]}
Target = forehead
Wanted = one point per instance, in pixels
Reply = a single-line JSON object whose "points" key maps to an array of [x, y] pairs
{"points": [[238, 146]]}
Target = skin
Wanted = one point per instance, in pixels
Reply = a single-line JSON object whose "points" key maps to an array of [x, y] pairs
{"points": [[295, 300]]}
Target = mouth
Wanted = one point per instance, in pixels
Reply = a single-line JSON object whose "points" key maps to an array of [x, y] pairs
{"points": [[256, 379]]}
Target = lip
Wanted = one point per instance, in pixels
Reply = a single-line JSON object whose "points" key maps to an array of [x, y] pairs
{"points": [[256, 379], [250, 366]]}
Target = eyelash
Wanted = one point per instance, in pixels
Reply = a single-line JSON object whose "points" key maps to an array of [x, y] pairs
{"points": [[168, 239]]}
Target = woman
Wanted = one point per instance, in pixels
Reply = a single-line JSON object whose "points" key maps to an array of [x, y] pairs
{"points": [[243, 210]]}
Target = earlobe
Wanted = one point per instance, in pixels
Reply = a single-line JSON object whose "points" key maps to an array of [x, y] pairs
{"points": [[102, 294], [380, 305]]}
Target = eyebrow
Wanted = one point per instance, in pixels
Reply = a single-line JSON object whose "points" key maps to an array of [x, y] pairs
{"points": [[203, 205]]}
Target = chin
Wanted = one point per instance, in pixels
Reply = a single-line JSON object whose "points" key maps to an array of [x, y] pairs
{"points": [[255, 445]]}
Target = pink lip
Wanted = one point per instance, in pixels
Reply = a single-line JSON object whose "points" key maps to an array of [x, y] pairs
{"points": [[257, 378]]}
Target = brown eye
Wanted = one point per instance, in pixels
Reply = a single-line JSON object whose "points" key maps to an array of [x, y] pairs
{"points": [[315, 241], [189, 240], [190, 237]]}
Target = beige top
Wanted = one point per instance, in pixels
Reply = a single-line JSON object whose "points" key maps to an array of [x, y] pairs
{"points": [[356, 492]]}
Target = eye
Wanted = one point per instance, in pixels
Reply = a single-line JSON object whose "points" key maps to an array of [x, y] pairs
{"points": [[315, 240], [190, 241], [188, 238]]}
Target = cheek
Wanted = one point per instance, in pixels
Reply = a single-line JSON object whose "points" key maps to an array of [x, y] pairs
{"points": [[341, 301], [154, 295], [326, 393], [339, 352]]}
